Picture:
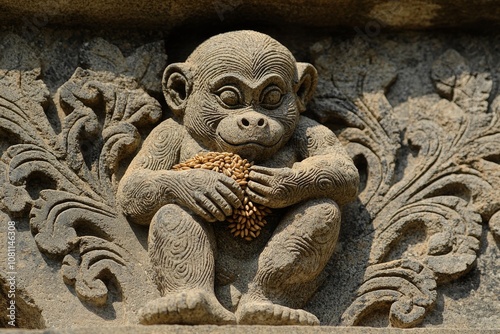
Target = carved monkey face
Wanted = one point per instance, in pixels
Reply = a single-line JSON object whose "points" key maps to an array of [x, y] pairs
{"points": [[240, 92]]}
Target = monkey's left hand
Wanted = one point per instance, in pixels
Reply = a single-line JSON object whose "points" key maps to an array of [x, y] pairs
{"points": [[275, 187]]}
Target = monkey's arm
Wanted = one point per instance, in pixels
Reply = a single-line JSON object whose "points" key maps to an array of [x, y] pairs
{"points": [[149, 183], [326, 162], [325, 171], [146, 185]]}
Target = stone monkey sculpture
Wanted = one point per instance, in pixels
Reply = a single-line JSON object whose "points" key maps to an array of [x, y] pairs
{"points": [[240, 92]]}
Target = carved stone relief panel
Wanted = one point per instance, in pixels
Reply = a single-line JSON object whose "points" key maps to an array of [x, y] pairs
{"points": [[213, 195]]}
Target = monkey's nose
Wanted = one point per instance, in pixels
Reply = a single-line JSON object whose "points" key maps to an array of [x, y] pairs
{"points": [[252, 122]]}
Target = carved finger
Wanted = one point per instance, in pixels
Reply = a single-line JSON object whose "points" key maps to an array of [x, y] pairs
{"points": [[259, 188], [201, 209], [232, 191], [263, 170], [221, 202], [206, 203], [263, 179], [229, 196], [254, 197]]}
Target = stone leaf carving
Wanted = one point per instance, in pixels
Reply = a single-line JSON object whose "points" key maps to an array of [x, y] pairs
{"points": [[67, 179], [99, 258], [145, 64], [406, 285], [449, 187]]}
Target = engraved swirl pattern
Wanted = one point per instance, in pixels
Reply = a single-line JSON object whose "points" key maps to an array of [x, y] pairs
{"points": [[183, 264]]}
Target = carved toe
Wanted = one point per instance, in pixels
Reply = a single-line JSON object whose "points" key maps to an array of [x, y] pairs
{"points": [[190, 308], [271, 314]]}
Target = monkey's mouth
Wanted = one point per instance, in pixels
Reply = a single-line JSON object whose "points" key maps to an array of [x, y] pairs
{"points": [[250, 142]]}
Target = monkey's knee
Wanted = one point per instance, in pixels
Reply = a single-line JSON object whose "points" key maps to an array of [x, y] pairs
{"points": [[316, 222], [302, 244], [172, 222], [325, 217], [181, 249]]}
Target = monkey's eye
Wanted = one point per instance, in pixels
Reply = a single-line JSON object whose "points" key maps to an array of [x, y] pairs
{"points": [[229, 96], [271, 97]]}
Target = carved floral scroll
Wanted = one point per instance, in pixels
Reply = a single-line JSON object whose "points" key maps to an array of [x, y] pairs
{"points": [[433, 168]]}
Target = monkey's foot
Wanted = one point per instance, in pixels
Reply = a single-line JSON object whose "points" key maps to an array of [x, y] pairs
{"points": [[265, 313], [194, 307]]}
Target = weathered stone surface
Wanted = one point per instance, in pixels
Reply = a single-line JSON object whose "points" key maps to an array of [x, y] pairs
{"points": [[368, 15], [417, 112]]}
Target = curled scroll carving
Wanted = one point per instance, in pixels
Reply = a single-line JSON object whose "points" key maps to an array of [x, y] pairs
{"points": [[406, 285], [67, 179], [446, 191]]}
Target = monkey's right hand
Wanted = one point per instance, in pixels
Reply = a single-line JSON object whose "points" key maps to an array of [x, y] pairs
{"points": [[209, 194]]}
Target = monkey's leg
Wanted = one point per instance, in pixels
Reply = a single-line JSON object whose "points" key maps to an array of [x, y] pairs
{"points": [[181, 249], [290, 264]]}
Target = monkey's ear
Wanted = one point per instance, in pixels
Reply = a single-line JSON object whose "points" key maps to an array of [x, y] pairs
{"points": [[177, 84], [306, 85]]}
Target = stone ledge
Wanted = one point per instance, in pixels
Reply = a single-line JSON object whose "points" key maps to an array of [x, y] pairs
{"points": [[166, 14], [176, 329]]}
